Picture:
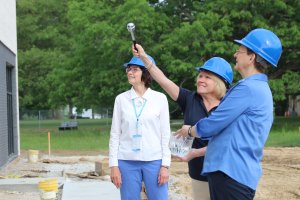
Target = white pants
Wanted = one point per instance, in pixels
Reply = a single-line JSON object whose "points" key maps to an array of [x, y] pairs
{"points": [[200, 190]]}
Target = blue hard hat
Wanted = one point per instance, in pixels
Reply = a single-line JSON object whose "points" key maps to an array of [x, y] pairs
{"points": [[264, 43], [219, 67], [137, 61]]}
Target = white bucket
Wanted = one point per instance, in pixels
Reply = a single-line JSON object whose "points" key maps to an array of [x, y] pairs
{"points": [[33, 156], [48, 195], [48, 189]]}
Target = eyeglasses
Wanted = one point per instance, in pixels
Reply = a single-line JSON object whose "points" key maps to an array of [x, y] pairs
{"points": [[239, 51], [133, 70]]}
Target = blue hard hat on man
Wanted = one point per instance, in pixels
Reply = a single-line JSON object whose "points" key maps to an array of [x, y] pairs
{"points": [[264, 43]]}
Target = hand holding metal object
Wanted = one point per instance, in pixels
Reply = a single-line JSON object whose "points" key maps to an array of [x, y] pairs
{"points": [[131, 28]]}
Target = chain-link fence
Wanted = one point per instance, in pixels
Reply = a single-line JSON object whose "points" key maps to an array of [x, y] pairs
{"points": [[64, 114], [42, 120]]}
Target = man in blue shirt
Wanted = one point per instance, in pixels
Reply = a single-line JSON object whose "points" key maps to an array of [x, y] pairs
{"points": [[238, 129]]}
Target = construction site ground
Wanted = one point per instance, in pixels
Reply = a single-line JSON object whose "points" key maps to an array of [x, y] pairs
{"points": [[280, 180]]}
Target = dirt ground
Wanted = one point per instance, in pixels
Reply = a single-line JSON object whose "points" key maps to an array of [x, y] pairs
{"points": [[280, 180]]}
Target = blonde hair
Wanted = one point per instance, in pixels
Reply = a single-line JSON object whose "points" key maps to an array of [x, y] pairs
{"points": [[220, 86]]}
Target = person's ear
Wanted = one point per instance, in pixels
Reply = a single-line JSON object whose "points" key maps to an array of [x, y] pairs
{"points": [[252, 57]]}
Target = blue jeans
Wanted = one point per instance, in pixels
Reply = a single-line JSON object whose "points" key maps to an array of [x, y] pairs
{"points": [[134, 172]]}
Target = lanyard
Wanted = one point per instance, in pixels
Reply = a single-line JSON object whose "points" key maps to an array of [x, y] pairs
{"points": [[136, 114]]}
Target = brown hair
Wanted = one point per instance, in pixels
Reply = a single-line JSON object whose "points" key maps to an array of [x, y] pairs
{"points": [[146, 77]]}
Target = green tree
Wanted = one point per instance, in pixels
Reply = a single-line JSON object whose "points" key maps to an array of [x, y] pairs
{"points": [[72, 52], [103, 45], [42, 40], [218, 23]]}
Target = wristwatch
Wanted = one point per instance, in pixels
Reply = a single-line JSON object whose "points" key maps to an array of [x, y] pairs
{"points": [[190, 131], [164, 166]]}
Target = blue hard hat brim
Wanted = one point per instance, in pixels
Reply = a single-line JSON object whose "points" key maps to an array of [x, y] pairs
{"points": [[125, 65], [138, 62]]}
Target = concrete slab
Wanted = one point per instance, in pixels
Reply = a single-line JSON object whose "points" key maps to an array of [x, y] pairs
{"points": [[24, 184], [90, 191]]}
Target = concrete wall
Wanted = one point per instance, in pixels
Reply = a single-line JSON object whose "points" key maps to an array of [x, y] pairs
{"points": [[8, 57]]}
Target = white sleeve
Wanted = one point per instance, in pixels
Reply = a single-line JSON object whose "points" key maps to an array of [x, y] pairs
{"points": [[165, 132], [115, 133]]}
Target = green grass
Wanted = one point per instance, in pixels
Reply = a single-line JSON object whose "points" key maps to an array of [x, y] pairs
{"points": [[91, 135], [94, 134], [285, 132]]}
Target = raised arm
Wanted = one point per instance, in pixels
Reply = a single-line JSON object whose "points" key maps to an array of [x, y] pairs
{"points": [[169, 86]]}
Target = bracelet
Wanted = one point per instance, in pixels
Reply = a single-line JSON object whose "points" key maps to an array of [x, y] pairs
{"points": [[149, 66], [167, 167], [190, 131]]}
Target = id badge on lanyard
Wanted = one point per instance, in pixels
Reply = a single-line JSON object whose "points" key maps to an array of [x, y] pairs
{"points": [[137, 135]]}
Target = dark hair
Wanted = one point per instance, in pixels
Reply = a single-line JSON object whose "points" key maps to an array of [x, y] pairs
{"points": [[146, 77], [260, 64]]}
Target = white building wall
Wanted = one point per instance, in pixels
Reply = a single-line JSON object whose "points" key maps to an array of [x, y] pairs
{"points": [[8, 25]]}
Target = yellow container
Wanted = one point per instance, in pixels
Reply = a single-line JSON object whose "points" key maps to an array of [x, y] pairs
{"points": [[33, 156], [49, 185], [48, 189]]}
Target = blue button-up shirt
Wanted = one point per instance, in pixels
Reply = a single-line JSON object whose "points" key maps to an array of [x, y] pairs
{"points": [[238, 130]]}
